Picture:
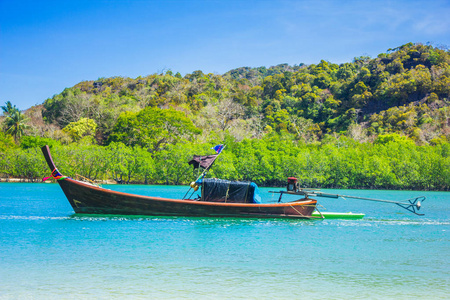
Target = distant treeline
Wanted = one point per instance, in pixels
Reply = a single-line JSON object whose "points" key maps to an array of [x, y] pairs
{"points": [[391, 162], [379, 122]]}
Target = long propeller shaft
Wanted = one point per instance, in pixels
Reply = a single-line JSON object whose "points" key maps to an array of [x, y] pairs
{"points": [[412, 205]]}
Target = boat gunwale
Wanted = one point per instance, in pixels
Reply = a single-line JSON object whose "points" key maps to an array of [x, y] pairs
{"points": [[193, 202]]}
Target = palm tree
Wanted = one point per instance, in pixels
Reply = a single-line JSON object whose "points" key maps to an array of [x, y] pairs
{"points": [[15, 122], [8, 109]]}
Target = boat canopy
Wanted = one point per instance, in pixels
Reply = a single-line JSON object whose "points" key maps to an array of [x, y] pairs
{"points": [[220, 190]]}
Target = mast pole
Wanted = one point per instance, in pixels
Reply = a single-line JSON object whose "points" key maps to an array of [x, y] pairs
{"points": [[203, 174]]}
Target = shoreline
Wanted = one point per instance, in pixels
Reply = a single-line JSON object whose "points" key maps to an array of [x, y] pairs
{"points": [[37, 180], [113, 182]]}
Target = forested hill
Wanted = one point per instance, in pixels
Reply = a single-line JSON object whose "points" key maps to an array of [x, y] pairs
{"points": [[379, 122], [405, 90]]}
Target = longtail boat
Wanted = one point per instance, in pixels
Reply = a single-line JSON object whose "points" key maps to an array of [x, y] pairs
{"points": [[220, 198]]}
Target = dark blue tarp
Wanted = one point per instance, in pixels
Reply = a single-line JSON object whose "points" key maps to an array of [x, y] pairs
{"points": [[220, 190]]}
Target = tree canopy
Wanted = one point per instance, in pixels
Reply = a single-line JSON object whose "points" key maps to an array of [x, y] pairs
{"points": [[152, 128]]}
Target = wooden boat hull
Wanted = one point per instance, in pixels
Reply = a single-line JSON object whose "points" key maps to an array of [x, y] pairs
{"points": [[89, 199]]}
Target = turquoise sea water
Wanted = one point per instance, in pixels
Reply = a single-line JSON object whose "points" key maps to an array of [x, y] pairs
{"points": [[47, 252]]}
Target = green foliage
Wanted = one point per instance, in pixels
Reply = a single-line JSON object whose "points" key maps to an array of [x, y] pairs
{"points": [[153, 128], [6, 142], [379, 123], [81, 128], [392, 162], [36, 142], [393, 137], [330, 95], [15, 121], [23, 163], [9, 108], [129, 163]]}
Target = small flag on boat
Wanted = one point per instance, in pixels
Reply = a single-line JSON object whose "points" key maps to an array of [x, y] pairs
{"points": [[218, 148], [205, 161]]}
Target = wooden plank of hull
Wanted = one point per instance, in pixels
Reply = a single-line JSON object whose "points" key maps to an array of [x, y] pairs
{"points": [[88, 199]]}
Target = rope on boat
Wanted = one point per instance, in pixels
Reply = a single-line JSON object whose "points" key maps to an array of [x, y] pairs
{"points": [[55, 175], [297, 211], [320, 213], [87, 179], [321, 206]]}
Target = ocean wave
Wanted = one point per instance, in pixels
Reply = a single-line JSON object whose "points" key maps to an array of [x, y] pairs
{"points": [[367, 222]]}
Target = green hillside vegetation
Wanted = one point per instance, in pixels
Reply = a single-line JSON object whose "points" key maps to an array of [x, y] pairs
{"points": [[372, 123]]}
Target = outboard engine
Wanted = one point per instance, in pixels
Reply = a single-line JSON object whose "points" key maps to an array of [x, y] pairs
{"points": [[292, 184]]}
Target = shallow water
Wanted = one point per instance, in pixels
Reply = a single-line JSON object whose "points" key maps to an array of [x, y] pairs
{"points": [[47, 252]]}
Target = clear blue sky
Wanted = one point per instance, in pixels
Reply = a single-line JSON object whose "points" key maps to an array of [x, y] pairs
{"points": [[46, 46]]}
